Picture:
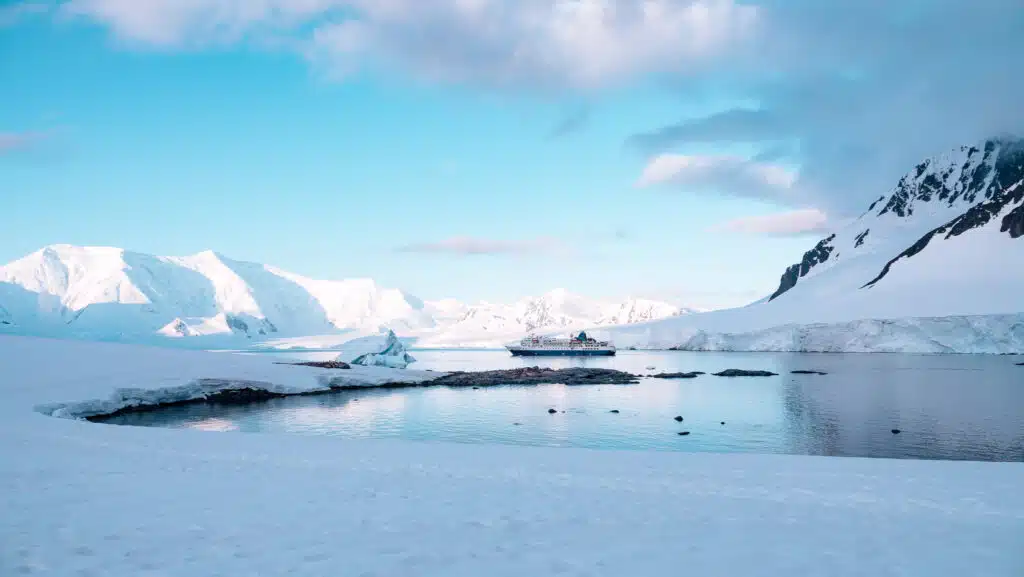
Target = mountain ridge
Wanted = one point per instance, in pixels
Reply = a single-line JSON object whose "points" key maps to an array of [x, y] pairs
{"points": [[944, 242], [111, 292]]}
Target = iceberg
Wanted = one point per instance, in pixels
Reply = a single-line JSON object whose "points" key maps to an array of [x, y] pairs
{"points": [[382, 350]]}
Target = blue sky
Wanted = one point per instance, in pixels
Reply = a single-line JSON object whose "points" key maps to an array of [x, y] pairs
{"points": [[459, 149]]}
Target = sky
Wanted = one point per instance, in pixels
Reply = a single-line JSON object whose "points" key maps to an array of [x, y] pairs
{"points": [[685, 150]]}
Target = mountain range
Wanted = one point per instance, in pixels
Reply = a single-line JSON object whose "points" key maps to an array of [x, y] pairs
{"points": [[115, 294], [945, 241]]}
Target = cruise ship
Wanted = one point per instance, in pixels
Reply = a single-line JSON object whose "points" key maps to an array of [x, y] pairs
{"points": [[580, 345]]}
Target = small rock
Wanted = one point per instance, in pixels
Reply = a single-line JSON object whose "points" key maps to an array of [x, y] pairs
{"points": [[476, 388], [690, 375], [723, 422], [616, 411], [807, 372], [552, 411], [679, 419], [895, 431], [744, 373], [517, 424], [683, 433], [1020, 364]]}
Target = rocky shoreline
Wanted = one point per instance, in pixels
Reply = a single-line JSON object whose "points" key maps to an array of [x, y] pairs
{"points": [[250, 392]]}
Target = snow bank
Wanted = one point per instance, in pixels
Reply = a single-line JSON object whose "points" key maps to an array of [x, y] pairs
{"points": [[79, 498], [985, 334], [383, 350]]}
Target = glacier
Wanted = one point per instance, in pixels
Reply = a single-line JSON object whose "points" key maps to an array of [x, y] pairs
{"points": [[81, 497]]}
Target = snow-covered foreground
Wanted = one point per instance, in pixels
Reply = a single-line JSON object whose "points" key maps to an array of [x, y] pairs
{"points": [[78, 498]]}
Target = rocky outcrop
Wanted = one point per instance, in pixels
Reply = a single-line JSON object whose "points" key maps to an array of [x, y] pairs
{"points": [[690, 375], [744, 373], [812, 258], [536, 376]]}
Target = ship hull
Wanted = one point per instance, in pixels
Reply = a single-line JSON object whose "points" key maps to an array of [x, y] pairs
{"points": [[562, 353]]}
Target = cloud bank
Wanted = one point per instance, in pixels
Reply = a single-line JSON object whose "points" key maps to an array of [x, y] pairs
{"points": [[852, 92]]}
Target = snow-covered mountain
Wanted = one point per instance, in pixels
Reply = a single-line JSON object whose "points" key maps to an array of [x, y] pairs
{"points": [[945, 241], [558, 310], [107, 292], [111, 293]]}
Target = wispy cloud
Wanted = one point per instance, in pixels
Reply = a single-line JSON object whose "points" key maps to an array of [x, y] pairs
{"points": [[473, 246], [718, 173], [15, 12], [572, 122], [791, 223], [574, 43], [14, 141]]}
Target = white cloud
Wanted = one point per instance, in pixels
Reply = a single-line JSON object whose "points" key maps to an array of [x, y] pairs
{"points": [[857, 92], [493, 42], [795, 222], [190, 23]]}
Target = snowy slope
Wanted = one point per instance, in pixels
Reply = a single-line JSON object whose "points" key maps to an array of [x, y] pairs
{"points": [[113, 294], [945, 241]]}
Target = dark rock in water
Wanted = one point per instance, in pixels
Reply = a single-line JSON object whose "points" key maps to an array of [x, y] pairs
{"points": [[895, 431], [1020, 364], [517, 424], [476, 388], [723, 422], [321, 364], [808, 372], [679, 419], [535, 376], [744, 373], [683, 433], [690, 375], [552, 411], [616, 411]]}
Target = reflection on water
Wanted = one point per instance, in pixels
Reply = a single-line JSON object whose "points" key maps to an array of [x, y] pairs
{"points": [[947, 407]]}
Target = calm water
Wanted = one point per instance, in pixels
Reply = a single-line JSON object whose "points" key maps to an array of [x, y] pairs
{"points": [[947, 407]]}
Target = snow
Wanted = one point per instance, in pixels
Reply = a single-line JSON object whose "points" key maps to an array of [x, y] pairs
{"points": [[382, 350], [79, 498]]}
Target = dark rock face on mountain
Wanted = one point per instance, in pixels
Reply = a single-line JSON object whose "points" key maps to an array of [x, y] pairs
{"points": [[1006, 189], [973, 186], [815, 256]]}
